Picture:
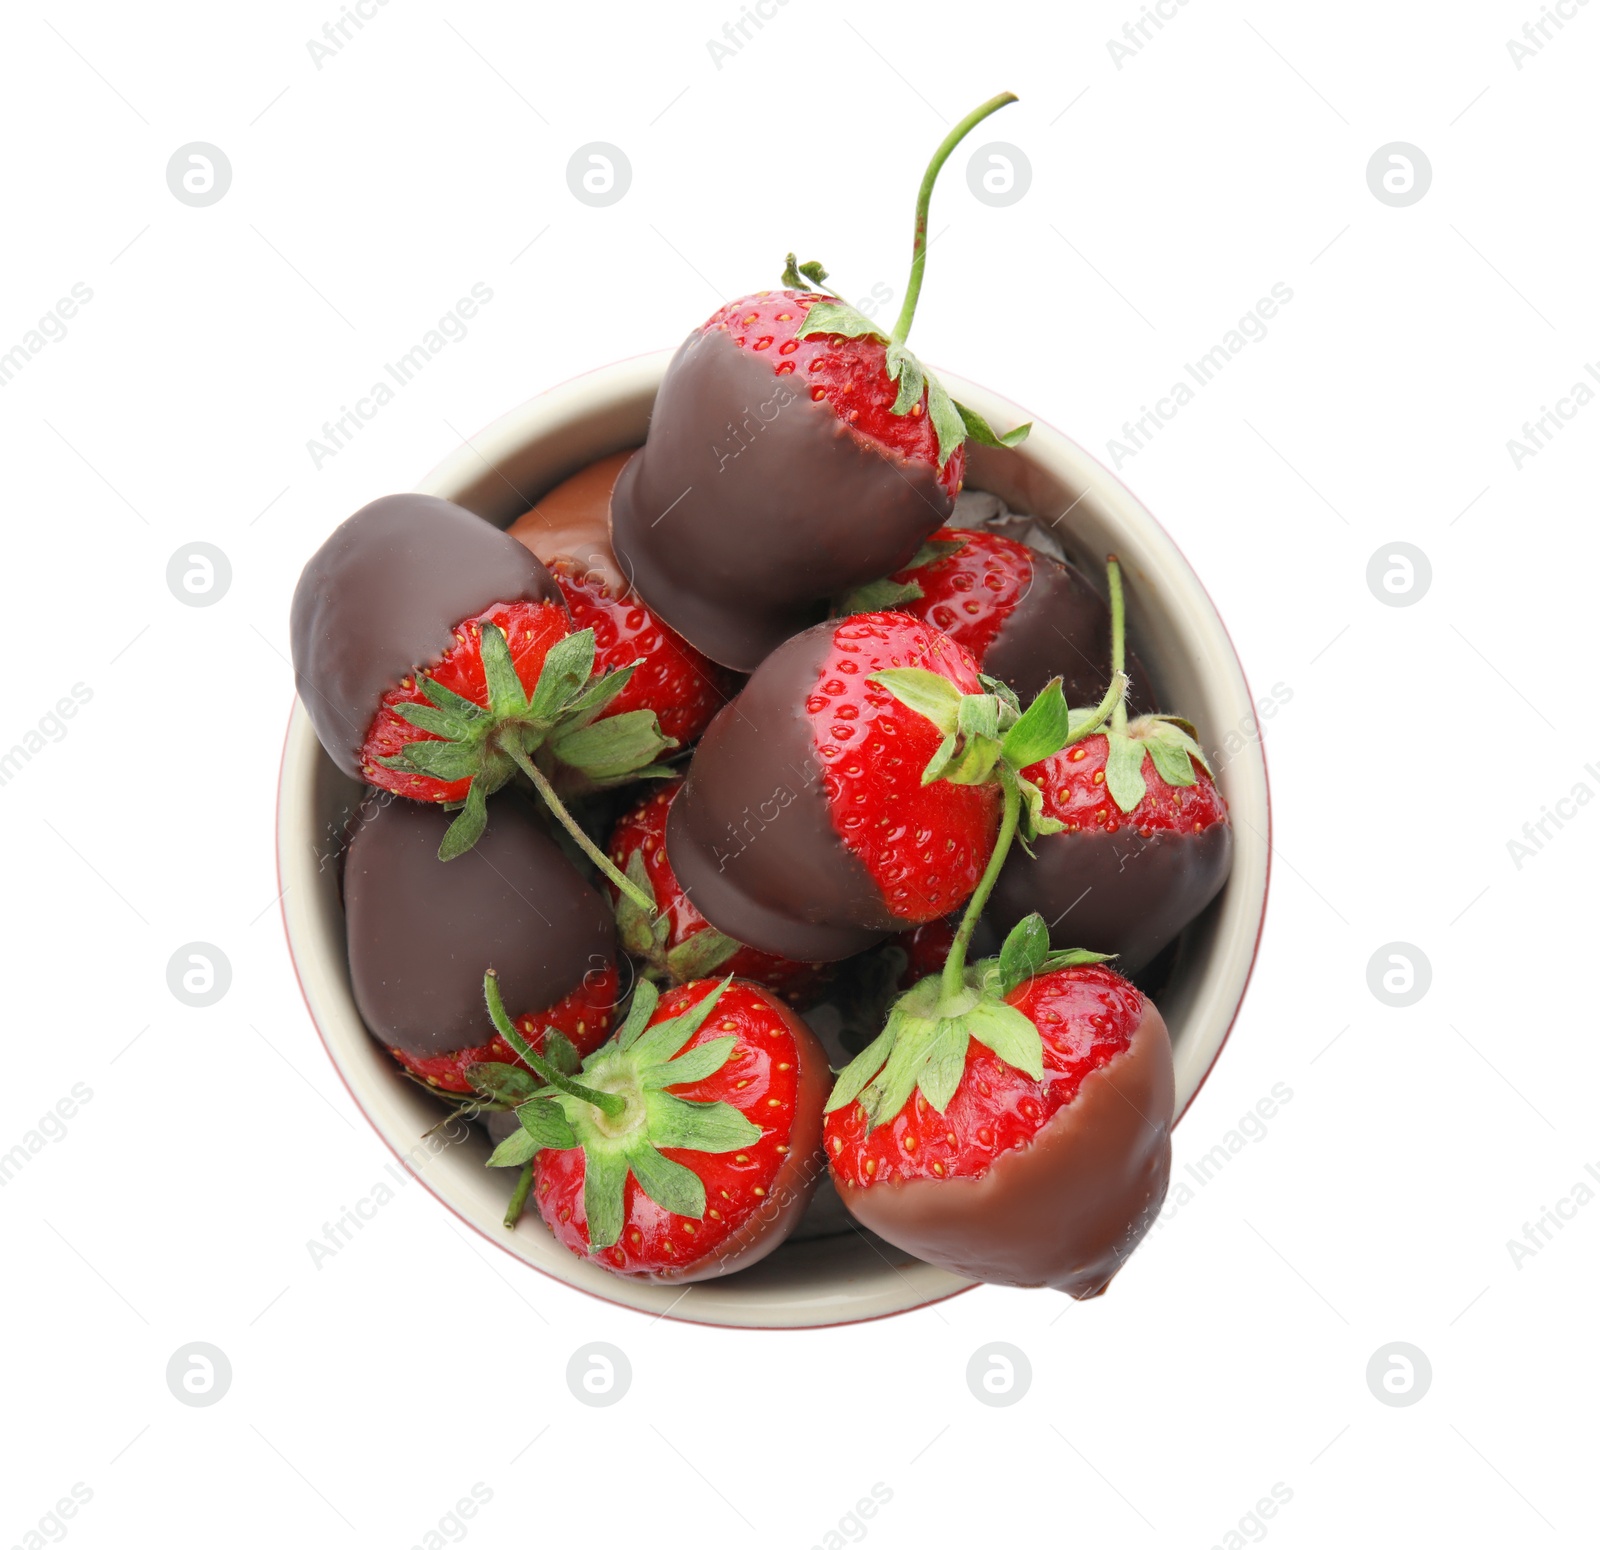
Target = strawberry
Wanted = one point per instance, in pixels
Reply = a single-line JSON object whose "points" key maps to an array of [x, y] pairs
{"points": [[1025, 616], [1019, 1133], [420, 933], [852, 789], [796, 450], [685, 1147], [569, 530], [1140, 840], [437, 658], [675, 943]]}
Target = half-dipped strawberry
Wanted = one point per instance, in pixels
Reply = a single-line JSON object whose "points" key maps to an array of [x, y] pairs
{"points": [[804, 827], [1025, 616], [853, 789], [1140, 840], [675, 943], [1018, 1132], [687, 1146], [569, 530], [796, 450], [436, 658], [421, 934]]}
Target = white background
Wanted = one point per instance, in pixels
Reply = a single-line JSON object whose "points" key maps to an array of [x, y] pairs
{"points": [[1167, 196]]}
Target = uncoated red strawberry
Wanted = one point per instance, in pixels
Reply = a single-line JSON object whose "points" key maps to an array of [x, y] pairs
{"points": [[686, 1147]]}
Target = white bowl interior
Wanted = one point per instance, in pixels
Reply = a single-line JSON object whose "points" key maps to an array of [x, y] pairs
{"points": [[829, 1280]]}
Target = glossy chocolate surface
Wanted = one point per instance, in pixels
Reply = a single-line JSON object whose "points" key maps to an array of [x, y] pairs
{"points": [[380, 598], [1069, 1208], [750, 836], [751, 504], [1117, 893], [423, 932], [573, 522]]}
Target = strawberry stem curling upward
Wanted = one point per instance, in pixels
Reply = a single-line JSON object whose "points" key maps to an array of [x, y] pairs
{"points": [[923, 1045], [952, 422]]}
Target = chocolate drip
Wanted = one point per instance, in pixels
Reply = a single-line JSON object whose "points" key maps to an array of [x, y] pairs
{"points": [[573, 522], [380, 599]]}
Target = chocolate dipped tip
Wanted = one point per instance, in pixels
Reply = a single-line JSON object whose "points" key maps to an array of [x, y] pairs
{"points": [[381, 599], [573, 522], [752, 504], [422, 932], [1125, 893], [1066, 1210], [750, 837]]}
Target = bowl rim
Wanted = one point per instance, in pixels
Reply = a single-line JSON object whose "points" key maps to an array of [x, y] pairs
{"points": [[509, 431]]}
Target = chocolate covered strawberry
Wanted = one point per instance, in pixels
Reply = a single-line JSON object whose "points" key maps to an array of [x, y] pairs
{"points": [[1015, 1128], [796, 450], [421, 933], [1025, 616], [688, 1145], [674, 943], [436, 658], [852, 789], [569, 530], [1140, 840]]}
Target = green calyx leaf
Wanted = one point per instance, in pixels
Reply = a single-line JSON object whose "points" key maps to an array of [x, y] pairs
{"points": [[642, 932], [929, 694], [560, 1051], [1023, 952], [543, 1120], [670, 1184], [605, 1183], [979, 430], [1010, 1034], [517, 1148], [698, 1127], [640, 1010], [500, 1083], [693, 1065], [483, 744], [886, 593], [1041, 730], [700, 956], [614, 747], [802, 277], [1124, 770], [835, 317], [1174, 753]]}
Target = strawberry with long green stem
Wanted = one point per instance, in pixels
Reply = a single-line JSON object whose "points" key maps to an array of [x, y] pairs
{"points": [[1140, 840], [797, 450]]}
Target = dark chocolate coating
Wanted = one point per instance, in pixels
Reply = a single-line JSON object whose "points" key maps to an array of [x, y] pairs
{"points": [[1069, 1208], [1114, 893], [750, 836], [380, 598], [1061, 627], [751, 504], [573, 522], [423, 932]]}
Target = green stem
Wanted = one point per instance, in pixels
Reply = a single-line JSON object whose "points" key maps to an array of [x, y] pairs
{"points": [[570, 824], [610, 1104], [1119, 717], [1115, 699], [955, 964], [919, 241], [519, 1196]]}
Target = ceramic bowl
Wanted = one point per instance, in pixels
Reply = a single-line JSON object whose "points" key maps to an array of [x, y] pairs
{"points": [[845, 1277]]}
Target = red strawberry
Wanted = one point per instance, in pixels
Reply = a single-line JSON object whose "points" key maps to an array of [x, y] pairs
{"points": [[805, 827], [436, 659], [1025, 616], [569, 529], [797, 449], [681, 686], [1142, 841], [687, 1146], [847, 372], [420, 932], [677, 944], [1026, 1140]]}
